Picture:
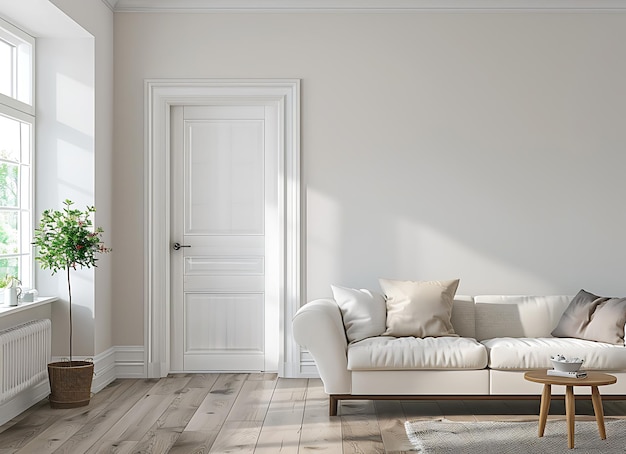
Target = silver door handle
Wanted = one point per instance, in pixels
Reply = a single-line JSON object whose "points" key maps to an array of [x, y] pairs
{"points": [[177, 246]]}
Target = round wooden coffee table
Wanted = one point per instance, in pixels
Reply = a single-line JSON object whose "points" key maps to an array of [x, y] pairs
{"points": [[593, 379]]}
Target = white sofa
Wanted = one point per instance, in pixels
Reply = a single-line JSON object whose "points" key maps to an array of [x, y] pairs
{"points": [[499, 338]]}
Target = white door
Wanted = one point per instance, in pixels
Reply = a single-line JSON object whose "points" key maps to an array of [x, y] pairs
{"points": [[224, 195]]}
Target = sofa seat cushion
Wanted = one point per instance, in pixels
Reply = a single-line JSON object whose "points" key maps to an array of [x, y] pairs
{"points": [[508, 353], [406, 353]]}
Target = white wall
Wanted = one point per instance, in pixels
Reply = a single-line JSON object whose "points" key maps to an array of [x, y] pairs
{"points": [[74, 139], [97, 19], [64, 170], [484, 146]]}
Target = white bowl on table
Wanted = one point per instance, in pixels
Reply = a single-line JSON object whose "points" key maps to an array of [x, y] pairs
{"points": [[563, 364]]}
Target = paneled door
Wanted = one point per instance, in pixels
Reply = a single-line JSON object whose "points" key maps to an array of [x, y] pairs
{"points": [[224, 238]]}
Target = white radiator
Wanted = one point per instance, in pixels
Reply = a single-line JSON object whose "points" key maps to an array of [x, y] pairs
{"points": [[24, 356]]}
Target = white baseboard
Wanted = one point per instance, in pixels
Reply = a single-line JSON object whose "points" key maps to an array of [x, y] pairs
{"points": [[103, 370], [23, 401], [129, 361]]}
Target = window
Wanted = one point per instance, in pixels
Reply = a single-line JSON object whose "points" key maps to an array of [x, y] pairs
{"points": [[16, 152], [16, 68]]}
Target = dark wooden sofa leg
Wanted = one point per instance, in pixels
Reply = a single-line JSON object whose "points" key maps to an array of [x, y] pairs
{"points": [[333, 403]]}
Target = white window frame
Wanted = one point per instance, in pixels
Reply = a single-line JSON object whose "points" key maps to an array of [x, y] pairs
{"points": [[24, 70], [21, 107]]}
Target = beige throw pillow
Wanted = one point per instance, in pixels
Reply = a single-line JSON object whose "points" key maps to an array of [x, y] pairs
{"points": [[419, 308]]}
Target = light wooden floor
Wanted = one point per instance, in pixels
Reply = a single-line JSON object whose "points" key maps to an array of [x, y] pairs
{"points": [[243, 413]]}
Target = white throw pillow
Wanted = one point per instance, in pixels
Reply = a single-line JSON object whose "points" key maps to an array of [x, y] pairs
{"points": [[363, 312], [419, 308]]}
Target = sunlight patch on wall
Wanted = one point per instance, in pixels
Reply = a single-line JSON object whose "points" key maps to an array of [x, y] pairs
{"points": [[72, 164], [78, 112]]}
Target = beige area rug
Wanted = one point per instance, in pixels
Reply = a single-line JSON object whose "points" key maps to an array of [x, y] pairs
{"points": [[442, 436]]}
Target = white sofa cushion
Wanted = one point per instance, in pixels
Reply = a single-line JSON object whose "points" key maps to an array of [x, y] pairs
{"points": [[463, 316], [363, 312], [534, 353], [402, 353], [518, 316]]}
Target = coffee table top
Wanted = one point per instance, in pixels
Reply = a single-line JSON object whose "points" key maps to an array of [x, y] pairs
{"points": [[592, 379]]}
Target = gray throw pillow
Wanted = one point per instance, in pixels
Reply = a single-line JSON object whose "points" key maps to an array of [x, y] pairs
{"points": [[607, 322], [594, 318], [576, 317]]}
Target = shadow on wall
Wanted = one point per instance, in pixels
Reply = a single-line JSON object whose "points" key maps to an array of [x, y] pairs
{"points": [[82, 333]]}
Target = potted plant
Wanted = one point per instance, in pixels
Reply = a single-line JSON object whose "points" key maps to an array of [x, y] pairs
{"points": [[67, 240]]}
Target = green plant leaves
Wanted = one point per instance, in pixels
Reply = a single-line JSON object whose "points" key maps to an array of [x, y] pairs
{"points": [[67, 239]]}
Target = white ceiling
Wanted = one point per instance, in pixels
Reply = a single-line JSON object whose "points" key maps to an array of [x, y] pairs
{"points": [[360, 5]]}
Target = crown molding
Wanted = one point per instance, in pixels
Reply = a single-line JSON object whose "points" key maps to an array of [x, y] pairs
{"points": [[362, 5], [110, 3]]}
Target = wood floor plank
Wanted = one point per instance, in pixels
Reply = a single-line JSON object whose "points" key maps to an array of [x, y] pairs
{"points": [[35, 408], [109, 415], [135, 423], [455, 410], [73, 421], [203, 380], [253, 400], [203, 427], [282, 425], [487, 410], [123, 447], [171, 385], [40, 423], [242, 427], [360, 429], [421, 409], [194, 442], [391, 419], [26, 430], [524, 408], [215, 407], [320, 432], [164, 433], [614, 408], [262, 376], [238, 436]]}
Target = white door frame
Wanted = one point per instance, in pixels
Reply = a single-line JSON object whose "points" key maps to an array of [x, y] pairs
{"points": [[160, 95]]}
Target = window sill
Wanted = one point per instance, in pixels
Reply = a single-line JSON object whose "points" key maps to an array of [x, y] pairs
{"points": [[9, 310]]}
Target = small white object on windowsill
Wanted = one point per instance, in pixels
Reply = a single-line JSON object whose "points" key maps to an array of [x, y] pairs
{"points": [[29, 296]]}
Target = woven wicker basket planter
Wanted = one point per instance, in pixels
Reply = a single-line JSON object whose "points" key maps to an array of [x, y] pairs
{"points": [[70, 384]]}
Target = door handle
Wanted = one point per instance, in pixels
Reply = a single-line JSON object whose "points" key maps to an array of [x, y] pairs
{"points": [[177, 246]]}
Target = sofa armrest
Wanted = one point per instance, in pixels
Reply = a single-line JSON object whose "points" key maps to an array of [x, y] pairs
{"points": [[318, 327]]}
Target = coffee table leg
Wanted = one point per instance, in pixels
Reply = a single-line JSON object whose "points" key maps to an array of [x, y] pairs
{"points": [[598, 410], [570, 413], [544, 408]]}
